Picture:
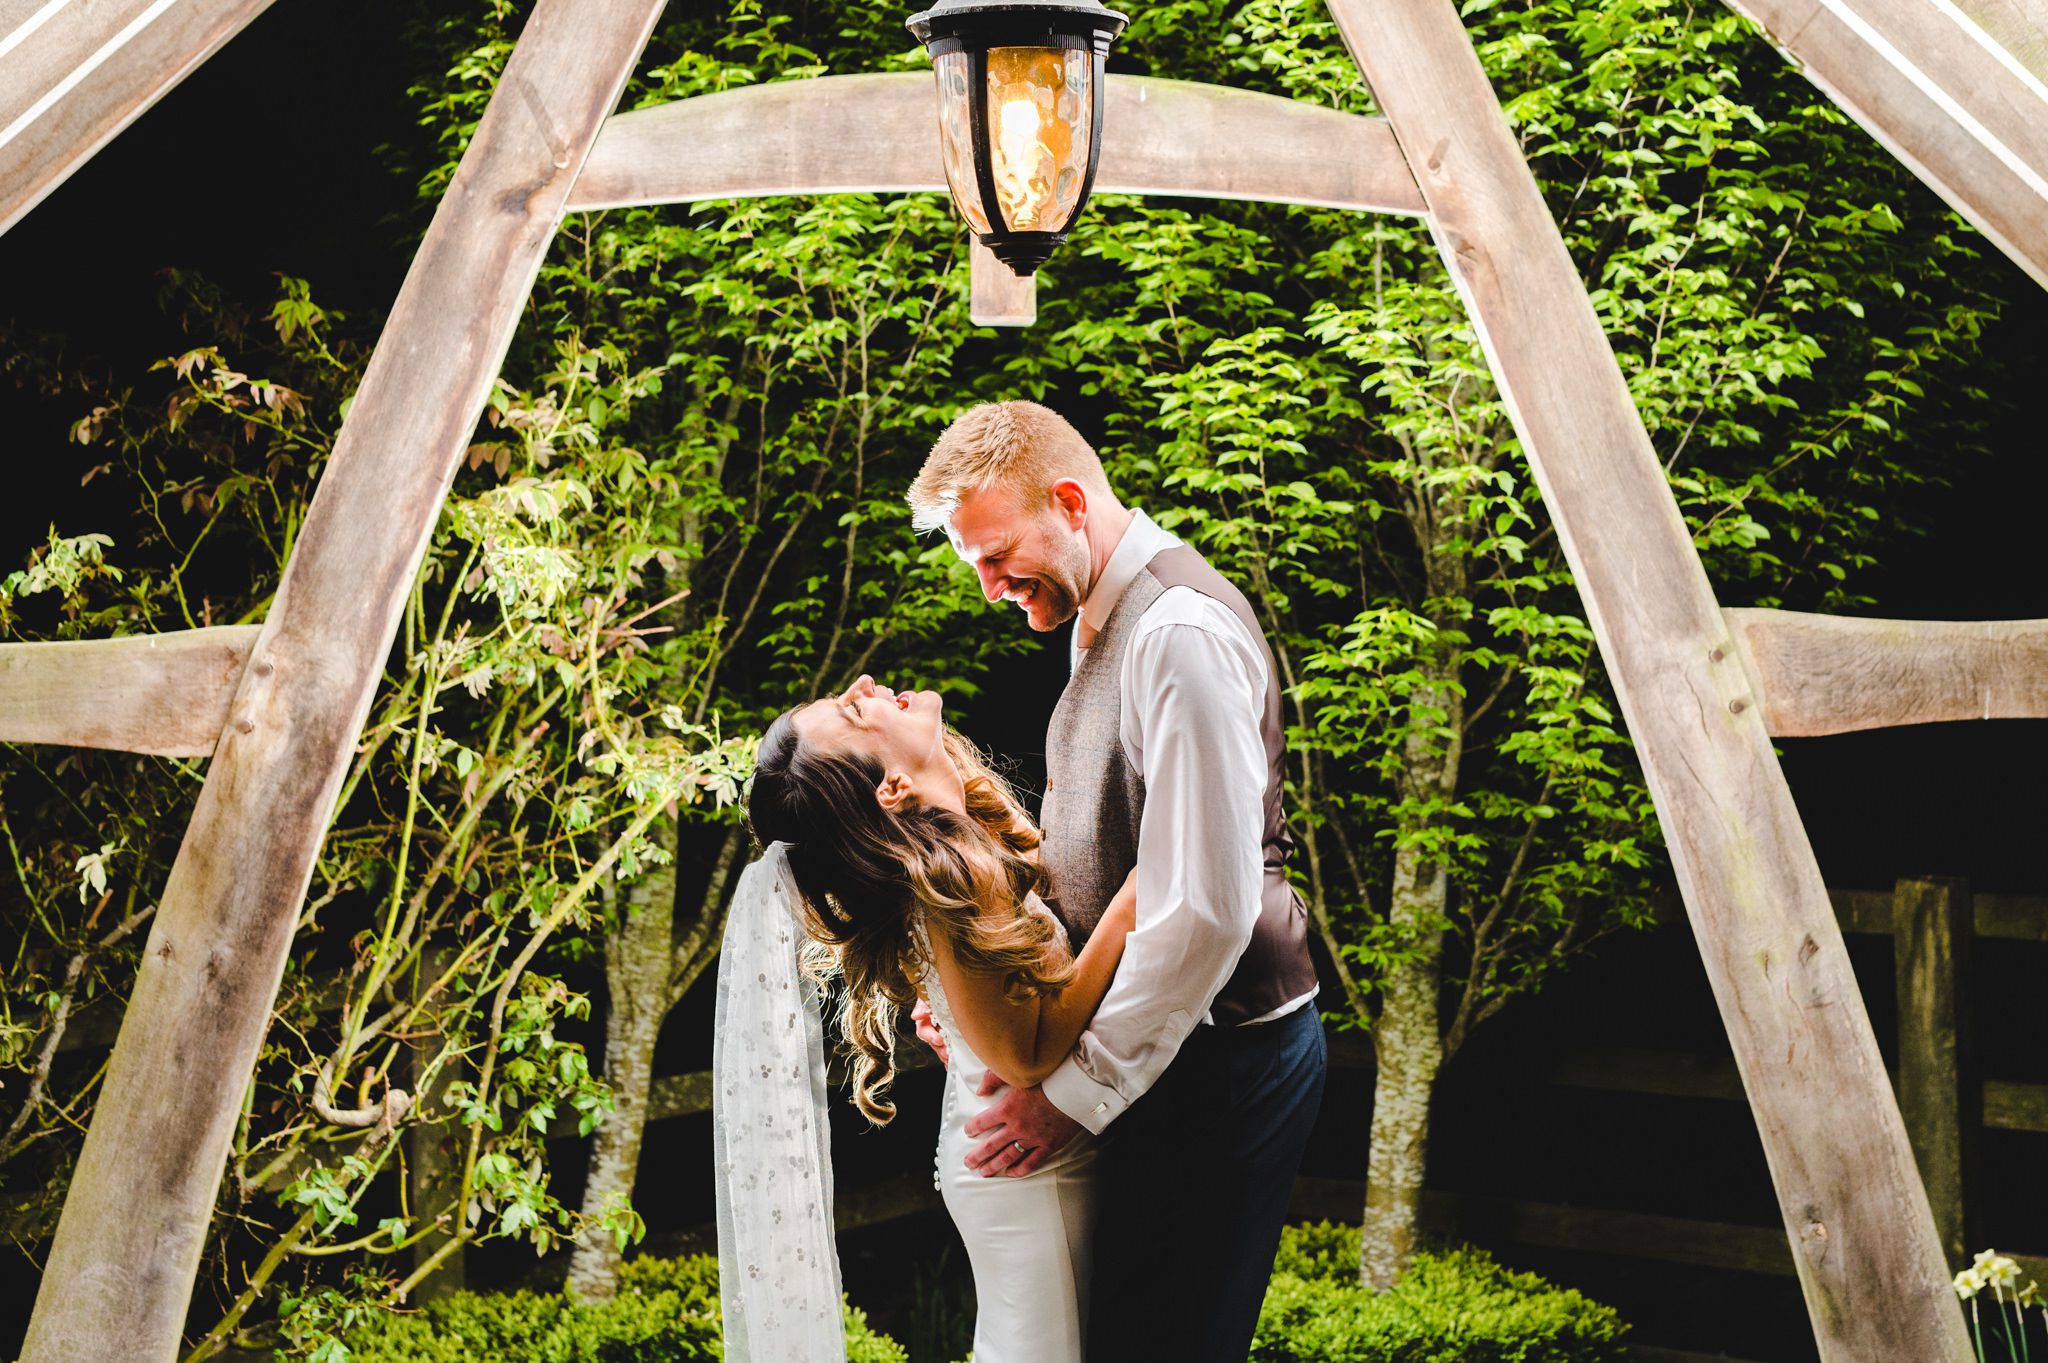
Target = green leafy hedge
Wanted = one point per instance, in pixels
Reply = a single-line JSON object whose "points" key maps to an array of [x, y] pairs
{"points": [[1458, 1306], [666, 1310]]}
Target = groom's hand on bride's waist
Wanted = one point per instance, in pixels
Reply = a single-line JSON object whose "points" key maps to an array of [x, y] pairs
{"points": [[1020, 1130]]}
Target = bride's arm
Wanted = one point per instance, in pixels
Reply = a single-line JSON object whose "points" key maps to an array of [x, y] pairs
{"points": [[1025, 1040]]}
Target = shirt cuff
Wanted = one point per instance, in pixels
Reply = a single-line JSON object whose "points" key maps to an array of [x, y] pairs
{"points": [[1070, 1089]]}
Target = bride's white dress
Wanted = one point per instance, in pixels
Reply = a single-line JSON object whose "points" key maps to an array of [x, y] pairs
{"points": [[1027, 1238]]}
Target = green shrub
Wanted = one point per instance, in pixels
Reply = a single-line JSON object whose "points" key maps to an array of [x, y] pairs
{"points": [[1458, 1306], [666, 1311]]}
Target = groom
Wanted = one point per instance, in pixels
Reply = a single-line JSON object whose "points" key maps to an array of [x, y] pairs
{"points": [[1204, 1065]]}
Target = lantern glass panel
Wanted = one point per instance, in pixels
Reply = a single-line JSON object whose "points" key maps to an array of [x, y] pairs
{"points": [[956, 140], [1039, 108]]}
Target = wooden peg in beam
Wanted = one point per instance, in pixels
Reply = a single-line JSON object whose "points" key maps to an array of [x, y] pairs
{"points": [[996, 297]]}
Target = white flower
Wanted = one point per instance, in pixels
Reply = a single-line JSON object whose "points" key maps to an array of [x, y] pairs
{"points": [[1969, 1283], [1995, 1269]]}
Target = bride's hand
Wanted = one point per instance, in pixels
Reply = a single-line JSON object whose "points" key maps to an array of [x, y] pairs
{"points": [[928, 1030]]}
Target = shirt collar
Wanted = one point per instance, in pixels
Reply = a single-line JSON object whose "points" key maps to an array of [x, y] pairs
{"points": [[1142, 539]]}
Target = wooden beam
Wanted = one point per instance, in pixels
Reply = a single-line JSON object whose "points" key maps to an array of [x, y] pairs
{"points": [[843, 134], [1940, 94], [1833, 674], [73, 75], [2016, 1107], [165, 694], [1492, 1221], [2007, 917], [1870, 1264], [2018, 26], [996, 297], [119, 1276]]}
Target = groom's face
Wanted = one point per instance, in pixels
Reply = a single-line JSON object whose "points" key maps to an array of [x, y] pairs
{"points": [[1029, 551]]}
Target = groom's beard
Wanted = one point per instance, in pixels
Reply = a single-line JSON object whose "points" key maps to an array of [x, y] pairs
{"points": [[1050, 606], [1059, 589]]}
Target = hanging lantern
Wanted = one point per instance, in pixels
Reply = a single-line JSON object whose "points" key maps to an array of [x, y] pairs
{"points": [[1020, 114]]}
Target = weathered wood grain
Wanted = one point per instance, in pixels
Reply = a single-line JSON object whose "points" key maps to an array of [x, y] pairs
{"points": [[2006, 917], [2015, 1107], [72, 76], [1870, 1263], [165, 694], [1940, 1092], [2018, 26], [996, 297], [877, 132], [1952, 104], [120, 1273], [1832, 674]]}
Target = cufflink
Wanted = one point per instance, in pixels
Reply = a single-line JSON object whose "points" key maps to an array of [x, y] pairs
{"points": [[1101, 1108]]}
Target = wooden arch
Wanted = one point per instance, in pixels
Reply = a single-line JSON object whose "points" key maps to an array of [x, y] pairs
{"points": [[279, 706]]}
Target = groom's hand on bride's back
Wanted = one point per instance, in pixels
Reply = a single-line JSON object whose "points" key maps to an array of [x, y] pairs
{"points": [[1020, 1130]]}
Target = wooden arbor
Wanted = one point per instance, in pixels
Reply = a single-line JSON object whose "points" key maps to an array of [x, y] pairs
{"points": [[1702, 690]]}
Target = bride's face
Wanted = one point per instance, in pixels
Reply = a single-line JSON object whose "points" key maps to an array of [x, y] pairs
{"points": [[902, 731]]}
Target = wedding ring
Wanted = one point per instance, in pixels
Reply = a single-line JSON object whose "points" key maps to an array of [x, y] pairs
{"points": [[1021, 1151]]}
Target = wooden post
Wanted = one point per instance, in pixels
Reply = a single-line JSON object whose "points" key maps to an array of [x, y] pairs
{"points": [[119, 1276], [1956, 108], [997, 297], [1870, 1264], [73, 76], [1940, 1091], [2018, 26]]}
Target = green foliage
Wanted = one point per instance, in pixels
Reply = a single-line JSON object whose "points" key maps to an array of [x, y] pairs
{"points": [[1454, 1306], [666, 1311]]}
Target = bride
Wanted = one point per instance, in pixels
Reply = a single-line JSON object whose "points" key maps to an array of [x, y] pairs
{"points": [[912, 871]]}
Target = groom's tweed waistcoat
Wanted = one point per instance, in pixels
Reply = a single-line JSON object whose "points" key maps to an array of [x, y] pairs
{"points": [[1093, 800]]}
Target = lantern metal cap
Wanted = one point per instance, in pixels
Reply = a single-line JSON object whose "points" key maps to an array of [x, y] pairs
{"points": [[1017, 21]]}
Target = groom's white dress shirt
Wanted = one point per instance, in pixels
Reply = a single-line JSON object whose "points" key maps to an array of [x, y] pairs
{"points": [[1193, 686]]}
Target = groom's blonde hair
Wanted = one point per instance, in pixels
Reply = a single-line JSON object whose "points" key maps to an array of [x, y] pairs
{"points": [[1020, 447]]}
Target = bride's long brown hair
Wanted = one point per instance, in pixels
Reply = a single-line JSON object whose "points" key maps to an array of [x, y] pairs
{"points": [[867, 874]]}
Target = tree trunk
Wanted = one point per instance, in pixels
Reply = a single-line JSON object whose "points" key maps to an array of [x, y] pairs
{"points": [[433, 1157], [1409, 1048], [636, 972], [1408, 1038]]}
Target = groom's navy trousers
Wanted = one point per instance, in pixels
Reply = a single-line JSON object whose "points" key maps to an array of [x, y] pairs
{"points": [[1196, 1177]]}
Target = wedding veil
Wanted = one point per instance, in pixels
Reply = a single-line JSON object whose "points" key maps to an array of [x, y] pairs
{"points": [[778, 1268]]}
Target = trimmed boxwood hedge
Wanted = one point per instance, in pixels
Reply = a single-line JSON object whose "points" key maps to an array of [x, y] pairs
{"points": [[666, 1311], [1454, 1306]]}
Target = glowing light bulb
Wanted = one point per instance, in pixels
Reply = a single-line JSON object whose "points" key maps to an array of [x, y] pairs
{"points": [[1020, 182]]}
